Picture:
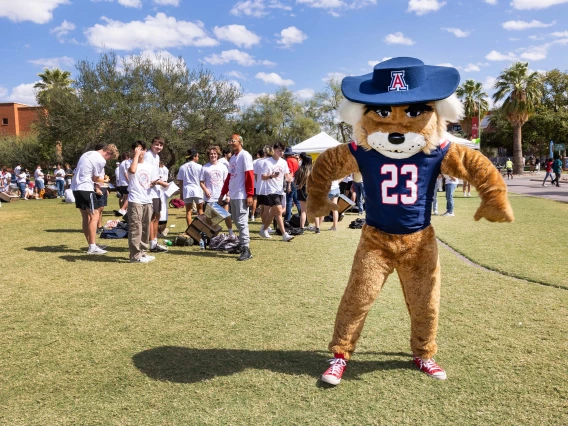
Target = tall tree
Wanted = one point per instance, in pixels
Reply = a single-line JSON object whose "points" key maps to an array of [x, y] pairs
{"points": [[555, 90], [520, 92], [474, 101]]}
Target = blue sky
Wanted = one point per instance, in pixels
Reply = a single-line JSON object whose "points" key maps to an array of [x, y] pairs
{"points": [[265, 44]]}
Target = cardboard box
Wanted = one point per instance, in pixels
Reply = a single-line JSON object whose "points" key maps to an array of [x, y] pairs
{"points": [[344, 203], [203, 224], [8, 198]]}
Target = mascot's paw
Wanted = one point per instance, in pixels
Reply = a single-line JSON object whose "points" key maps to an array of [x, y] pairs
{"points": [[320, 209], [495, 213]]}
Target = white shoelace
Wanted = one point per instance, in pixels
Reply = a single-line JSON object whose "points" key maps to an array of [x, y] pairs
{"points": [[336, 365], [430, 364]]}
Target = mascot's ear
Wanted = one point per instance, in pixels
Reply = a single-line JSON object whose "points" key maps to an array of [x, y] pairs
{"points": [[350, 112], [450, 109]]}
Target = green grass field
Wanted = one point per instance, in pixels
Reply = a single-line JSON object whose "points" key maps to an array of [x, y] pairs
{"points": [[198, 338]]}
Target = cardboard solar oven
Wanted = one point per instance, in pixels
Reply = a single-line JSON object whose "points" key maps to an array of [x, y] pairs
{"points": [[207, 223], [344, 203]]}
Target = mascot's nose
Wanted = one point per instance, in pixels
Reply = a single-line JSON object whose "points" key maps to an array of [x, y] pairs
{"points": [[396, 138]]}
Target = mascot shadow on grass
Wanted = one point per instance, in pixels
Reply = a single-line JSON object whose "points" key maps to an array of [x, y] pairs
{"points": [[399, 114]]}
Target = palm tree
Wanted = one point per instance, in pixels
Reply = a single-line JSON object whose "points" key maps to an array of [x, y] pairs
{"points": [[52, 79], [520, 93], [474, 101]]}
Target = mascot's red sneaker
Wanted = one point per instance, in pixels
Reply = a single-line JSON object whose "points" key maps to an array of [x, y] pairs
{"points": [[333, 374], [430, 367]]}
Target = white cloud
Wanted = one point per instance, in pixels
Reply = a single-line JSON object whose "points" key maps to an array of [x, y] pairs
{"points": [[236, 74], [489, 82], [535, 53], [559, 34], [290, 36], [241, 58], [323, 4], [23, 94], [61, 31], [167, 2], [457, 32], [159, 32], [248, 99], [497, 56], [398, 38], [237, 34], [536, 37], [421, 7], [125, 3], [334, 14], [471, 68], [338, 76], [535, 4], [523, 25], [62, 62], [257, 8], [273, 78], [37, 11], [492, 2], [445, 64], [305, 94]]}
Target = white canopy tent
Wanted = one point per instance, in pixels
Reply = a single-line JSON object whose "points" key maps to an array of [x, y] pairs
{"points": [[462, 141], [316, 144]]}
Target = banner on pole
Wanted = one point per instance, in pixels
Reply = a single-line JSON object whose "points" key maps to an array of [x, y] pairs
{"points": [[475, 127]]}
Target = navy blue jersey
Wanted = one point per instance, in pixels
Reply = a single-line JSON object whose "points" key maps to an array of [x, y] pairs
{"points": [[399, 192]]}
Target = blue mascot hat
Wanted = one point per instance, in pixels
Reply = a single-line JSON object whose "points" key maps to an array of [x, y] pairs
{"points": [[401, 81]]}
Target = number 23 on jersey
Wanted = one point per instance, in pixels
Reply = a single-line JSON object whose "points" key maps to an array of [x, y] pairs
{"points": [[391, 182]]}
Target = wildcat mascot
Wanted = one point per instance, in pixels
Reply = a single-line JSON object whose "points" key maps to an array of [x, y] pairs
{"points": [[399, 114]]}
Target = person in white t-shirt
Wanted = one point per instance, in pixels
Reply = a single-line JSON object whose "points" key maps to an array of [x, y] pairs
{"points": [[90, 170], [142, 177], [189, 174], [252, 213], [261, 187], [213, 175], [163, 174], [451, 185], [39, 179], [239, 184], [60, 181], [226, 156], [275, 172], [5, 180], [122, 184], [153, 158], [21, 178], [334, 196]]}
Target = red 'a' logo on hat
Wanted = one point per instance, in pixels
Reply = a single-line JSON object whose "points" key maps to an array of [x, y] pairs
{"points": [[397, 81]]}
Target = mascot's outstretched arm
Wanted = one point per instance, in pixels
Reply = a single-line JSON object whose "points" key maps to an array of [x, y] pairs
{"points": [[333, 164], [473, 167]]}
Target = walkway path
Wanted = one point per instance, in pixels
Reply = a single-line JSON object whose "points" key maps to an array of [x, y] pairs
{"points": [[531, 184]]}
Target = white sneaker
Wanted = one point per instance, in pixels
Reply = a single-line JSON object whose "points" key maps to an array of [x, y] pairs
{"points": [[97, 250], [150, 258], [265, 234], [447, 214], [436, 213], [261, 229], [141, 259], [270, 230], [101, 247], [287, 237]]}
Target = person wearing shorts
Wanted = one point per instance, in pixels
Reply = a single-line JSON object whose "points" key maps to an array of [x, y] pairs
{"points": [[122, 184], [89, 170], [152, 157], [189, 174], [333, 196], [275, 172]]}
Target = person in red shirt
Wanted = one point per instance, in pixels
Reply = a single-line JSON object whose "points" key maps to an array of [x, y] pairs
{"points": [[291, 189], [548, 172]]}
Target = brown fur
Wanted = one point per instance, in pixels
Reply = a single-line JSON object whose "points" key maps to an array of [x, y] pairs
{"points": [[414, 256]]}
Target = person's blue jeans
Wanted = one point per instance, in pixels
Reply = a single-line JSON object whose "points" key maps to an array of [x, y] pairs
{"points": [[22, 186], [450, 188], [359, 195], [546, 177], [60, 188], [292, 198]]}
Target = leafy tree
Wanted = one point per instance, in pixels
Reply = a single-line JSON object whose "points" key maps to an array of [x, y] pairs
{"points": [[520, 93], [139, 98], [474, 101], [275, 117], [554, 90], [324, 109]]}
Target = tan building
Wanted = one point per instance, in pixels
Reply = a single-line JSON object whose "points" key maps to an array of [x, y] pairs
{"points": [[16, 119]]}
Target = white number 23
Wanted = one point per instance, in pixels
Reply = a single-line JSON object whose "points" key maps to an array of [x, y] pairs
{"points": [[392, 182]]}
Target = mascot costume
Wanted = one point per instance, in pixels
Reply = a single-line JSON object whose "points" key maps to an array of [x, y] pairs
{"points": [[399, 114]]}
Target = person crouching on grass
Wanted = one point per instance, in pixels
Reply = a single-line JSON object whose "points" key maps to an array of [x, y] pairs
{"points": [[274, 171], [142, 177]]}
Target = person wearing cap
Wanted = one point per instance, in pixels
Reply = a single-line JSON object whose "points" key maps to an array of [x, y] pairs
{"points": [[399, 114], [291, 189], [29, 192], [60, 181], [189, 174], [239, 186]]}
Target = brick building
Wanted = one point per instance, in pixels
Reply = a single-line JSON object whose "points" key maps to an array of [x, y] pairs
{"points": [[16, 119]]}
